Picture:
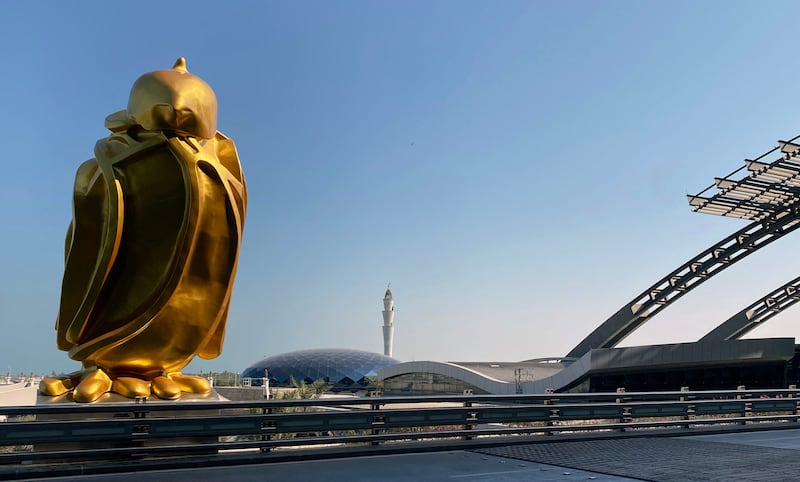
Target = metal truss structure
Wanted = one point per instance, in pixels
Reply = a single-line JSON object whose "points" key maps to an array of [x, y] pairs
{"points": [[762, 310], [766, 191]]}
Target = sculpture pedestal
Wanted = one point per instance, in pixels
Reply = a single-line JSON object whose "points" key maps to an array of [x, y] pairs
{"points": [[110, 399]]}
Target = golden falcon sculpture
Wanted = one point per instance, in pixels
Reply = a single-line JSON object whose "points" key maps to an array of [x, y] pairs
{"points": [[152, 249]]}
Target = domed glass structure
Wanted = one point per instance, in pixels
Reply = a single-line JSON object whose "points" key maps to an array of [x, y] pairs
{"points": [[342, 368]]}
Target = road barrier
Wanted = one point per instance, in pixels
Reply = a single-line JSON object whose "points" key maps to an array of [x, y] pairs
{"points": [[49, 437]]}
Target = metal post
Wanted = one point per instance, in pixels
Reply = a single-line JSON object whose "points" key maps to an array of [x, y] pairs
{"points": [[471, 418], [377, 420], [748, 407], [626, 411], [555, 416], [689, 408], [797, 404]]}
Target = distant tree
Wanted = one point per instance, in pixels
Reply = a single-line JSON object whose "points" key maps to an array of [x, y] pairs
{"points": [[225, 379], [303, 390], [374, 382]]}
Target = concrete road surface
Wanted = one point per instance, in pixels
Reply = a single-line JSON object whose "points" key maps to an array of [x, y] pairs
{"points": [[738, 456], [444, 466]]}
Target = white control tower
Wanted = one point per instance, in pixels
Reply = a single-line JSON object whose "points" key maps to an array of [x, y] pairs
{"points": [[388, 322]]}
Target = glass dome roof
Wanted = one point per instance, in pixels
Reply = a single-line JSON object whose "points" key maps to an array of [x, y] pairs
{"points": [[335, 365]]}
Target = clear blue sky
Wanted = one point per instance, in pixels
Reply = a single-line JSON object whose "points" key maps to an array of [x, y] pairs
{"points": [[516, 170]]}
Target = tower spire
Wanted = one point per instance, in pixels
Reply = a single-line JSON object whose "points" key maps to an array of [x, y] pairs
{"points": [[388, 321]]}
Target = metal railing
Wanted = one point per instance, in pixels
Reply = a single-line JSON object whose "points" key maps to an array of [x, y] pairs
{"points": [[66, 434]]}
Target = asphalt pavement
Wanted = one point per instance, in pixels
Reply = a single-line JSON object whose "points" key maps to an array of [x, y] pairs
{"points": [[739, 456]]}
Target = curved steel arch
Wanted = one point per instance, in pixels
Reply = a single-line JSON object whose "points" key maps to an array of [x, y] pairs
{"points": [[689, 275], [759, 312], [774, 209]]}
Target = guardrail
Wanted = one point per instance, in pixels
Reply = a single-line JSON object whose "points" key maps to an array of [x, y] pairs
{"points": [[64, 434]]}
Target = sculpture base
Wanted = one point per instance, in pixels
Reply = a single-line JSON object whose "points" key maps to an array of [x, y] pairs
{"points": [[114, 399]]}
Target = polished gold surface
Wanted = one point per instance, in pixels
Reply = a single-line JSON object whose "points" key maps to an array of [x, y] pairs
{"points": [[152, 249]]}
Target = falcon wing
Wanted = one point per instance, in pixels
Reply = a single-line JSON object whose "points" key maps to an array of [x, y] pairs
{"points": [[92, 243]]}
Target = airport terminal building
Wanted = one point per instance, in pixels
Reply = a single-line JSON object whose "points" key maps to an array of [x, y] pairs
{"points": [[341, 368], [768, 363], [764, 191]]}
